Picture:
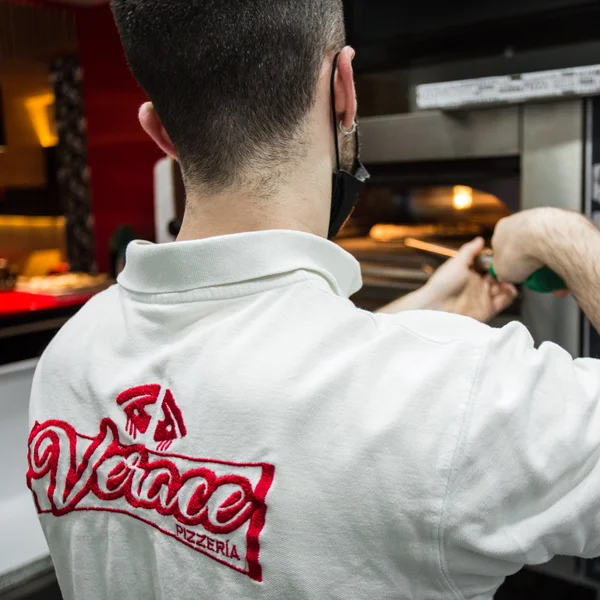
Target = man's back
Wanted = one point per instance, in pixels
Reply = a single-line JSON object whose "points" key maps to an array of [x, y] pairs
{"points": [[233, 427]]}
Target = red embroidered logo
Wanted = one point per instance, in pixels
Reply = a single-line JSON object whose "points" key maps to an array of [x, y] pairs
{"points": [[215, 507], [136, 404]]}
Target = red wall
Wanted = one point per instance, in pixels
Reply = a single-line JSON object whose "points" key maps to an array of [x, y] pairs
{"points": [[121, 156]]}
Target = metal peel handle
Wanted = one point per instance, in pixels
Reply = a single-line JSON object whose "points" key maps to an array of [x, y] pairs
{"points": [[543, 281]]}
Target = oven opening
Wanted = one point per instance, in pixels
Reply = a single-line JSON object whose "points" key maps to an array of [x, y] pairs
{"points": [[410, 212]]}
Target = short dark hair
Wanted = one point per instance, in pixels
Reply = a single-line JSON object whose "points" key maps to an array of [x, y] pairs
{"points": [[232, 80]]}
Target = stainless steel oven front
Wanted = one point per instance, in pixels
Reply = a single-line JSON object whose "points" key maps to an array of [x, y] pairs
{"points": [[446, 177]]}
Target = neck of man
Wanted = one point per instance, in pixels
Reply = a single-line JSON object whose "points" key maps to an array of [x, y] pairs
{"points": [[232, 213], [297, 199]]}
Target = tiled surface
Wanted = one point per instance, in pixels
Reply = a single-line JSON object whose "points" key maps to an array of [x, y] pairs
{"points": [[19, 523], [18, 518]]}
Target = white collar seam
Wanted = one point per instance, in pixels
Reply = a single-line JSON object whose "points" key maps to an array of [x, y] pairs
{"points": [[167, 298]]}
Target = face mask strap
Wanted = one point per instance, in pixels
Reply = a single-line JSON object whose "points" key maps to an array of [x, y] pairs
{"points": [[334, 113], [336, 125]]}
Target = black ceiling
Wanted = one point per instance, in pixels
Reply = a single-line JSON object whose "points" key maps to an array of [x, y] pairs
{"points": [[392, 35]]}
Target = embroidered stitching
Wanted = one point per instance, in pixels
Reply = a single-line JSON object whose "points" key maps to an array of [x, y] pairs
{"points": [[171, 427], [137, 400], [215, 507]]}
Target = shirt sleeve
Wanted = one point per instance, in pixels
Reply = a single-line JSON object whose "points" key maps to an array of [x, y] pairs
{"points": [[525, 481]]}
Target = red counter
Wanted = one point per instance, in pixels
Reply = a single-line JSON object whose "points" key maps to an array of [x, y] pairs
{"points": [[14, 303]]}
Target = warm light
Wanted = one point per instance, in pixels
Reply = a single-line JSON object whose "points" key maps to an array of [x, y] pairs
{"points": [[39, 109], [23, 222], [463, 197]]}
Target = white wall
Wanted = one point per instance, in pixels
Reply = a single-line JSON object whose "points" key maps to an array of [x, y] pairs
{"points": [[21, 538]]}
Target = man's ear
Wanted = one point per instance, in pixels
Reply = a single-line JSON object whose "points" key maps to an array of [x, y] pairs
{"points": [[345, 90], [151, 124]]}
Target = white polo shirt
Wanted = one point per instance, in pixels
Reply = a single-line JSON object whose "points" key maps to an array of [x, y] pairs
{"points": [[224, 423]]}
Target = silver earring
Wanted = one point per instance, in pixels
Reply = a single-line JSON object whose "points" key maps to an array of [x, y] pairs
{"points": [[350, 131]]}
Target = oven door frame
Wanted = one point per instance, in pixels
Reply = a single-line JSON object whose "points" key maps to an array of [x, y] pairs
{"points": [[550, 141]]}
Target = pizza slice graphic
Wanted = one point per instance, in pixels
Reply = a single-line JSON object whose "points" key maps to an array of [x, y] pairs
{"points": [[135, 403], [171, 427]]}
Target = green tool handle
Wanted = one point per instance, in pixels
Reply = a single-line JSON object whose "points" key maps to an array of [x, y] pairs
{"points": [[544, 281]]}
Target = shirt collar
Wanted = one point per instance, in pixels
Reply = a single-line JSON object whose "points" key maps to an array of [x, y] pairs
{"points": [[237, 258]]}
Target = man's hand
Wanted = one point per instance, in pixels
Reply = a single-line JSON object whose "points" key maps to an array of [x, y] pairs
{"points": [[456, 288], [565, 241], [515, 247]]}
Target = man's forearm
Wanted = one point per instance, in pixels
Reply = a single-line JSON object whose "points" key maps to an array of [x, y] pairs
{"points": [[421, 299], [569, 244]]}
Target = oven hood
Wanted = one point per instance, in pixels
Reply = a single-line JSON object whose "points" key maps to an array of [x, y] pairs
{"points": [[435, 135]]}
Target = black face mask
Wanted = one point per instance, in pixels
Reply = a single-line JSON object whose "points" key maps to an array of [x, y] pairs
{"points": [[346, 186]]}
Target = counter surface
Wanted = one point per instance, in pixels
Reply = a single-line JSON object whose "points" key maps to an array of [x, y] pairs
{"points": [[14, 303], [28, 322]]}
